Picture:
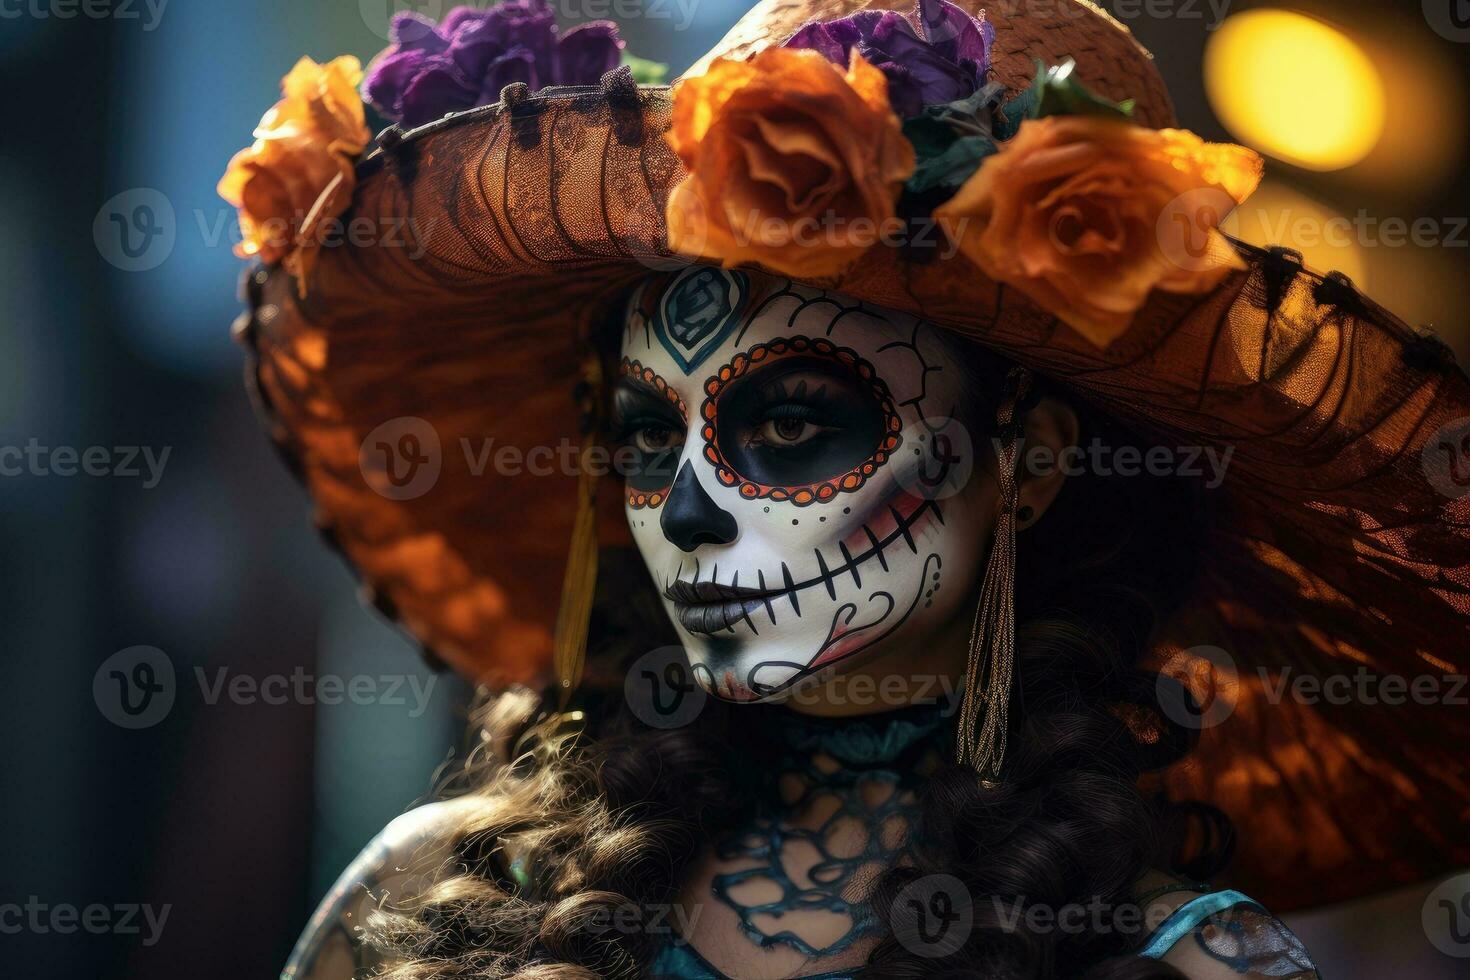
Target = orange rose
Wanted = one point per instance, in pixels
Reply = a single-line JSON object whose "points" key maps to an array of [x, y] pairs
{"points": [[792, 163], [1087, 214], [299, 171]]}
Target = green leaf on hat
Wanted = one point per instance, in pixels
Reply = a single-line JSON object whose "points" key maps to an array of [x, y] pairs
{"points": [[646, 72], [1056, 92], [953, 166], [950, 140]]}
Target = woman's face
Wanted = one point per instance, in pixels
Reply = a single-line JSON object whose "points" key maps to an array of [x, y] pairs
{"points": [[800, 491]]}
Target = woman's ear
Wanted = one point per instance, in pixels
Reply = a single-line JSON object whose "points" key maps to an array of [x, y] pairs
{"points": [[1051, 429]]}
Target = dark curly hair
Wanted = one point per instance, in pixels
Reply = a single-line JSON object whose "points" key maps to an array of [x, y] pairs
{"points": [[577, 818]]}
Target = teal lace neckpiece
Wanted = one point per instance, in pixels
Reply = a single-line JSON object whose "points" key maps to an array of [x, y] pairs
{"points": [[865, 740], [833, 775]]}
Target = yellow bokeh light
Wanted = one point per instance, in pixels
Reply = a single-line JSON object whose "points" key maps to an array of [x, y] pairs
{"points": [[1294, 88], [1277, 214]]}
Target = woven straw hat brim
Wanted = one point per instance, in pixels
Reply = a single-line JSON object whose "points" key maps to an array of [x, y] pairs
{"points": [[520, 225]]}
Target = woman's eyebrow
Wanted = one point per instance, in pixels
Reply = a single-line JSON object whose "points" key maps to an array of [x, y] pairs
{"points": [[629, 393]]}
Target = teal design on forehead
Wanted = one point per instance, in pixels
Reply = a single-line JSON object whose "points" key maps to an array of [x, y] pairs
{"points": [[697, 311]]}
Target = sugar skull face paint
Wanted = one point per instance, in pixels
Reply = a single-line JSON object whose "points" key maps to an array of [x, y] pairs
{"points": [[800, 491]]}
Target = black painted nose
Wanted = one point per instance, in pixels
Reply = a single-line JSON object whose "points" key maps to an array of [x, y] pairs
{"points": [[691, 518]]}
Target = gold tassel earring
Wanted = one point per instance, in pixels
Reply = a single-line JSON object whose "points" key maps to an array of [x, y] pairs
{"points": [[981, 743], [579, 583]]}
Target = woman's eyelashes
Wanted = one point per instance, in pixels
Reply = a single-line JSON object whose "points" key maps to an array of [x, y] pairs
{"points": [[791, 412], [786, 426], [653, 436], [644, 421], [797, 422], [647, 425]]}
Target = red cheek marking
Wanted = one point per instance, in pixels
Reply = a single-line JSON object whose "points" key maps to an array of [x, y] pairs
{"points": [[883, 523]]}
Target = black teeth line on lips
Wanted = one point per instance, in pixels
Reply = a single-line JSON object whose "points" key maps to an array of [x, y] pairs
{"points": [[857, 579], [770, 611], [850, 565], [790, 588], [826, 576], [878, 548]]}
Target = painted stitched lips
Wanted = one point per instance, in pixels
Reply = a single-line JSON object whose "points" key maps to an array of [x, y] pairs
{"points": [[707, 605]]}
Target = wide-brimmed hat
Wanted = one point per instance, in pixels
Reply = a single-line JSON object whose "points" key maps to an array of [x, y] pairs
{"points": [[391, 372]]}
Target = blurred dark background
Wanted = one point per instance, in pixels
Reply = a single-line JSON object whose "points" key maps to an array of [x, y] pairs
{"points": [[236, 815]]}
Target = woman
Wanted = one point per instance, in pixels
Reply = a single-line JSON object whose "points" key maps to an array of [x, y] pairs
{"points": [[903, 727]]}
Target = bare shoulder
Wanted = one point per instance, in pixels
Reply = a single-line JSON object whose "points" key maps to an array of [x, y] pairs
{"points": [[397, 863], [1221, 935]]}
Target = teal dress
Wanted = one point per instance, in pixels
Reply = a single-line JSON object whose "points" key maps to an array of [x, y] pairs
{"points": [[1227, 926]]}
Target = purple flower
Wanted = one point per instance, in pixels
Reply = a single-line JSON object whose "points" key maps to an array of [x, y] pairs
{"points": [[466, 59], [945, 61]]}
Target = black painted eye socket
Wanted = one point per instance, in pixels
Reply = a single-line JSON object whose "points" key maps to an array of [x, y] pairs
{"points": [[655, 437], [798, 421], [649, 423]]}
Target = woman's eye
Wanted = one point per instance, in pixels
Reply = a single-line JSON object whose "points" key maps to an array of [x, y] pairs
{"points": [[656, 438], [787, 432]]}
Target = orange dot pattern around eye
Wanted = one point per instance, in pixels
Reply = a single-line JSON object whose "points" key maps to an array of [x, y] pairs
{"points": [[638, 499], [811, 493]]}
